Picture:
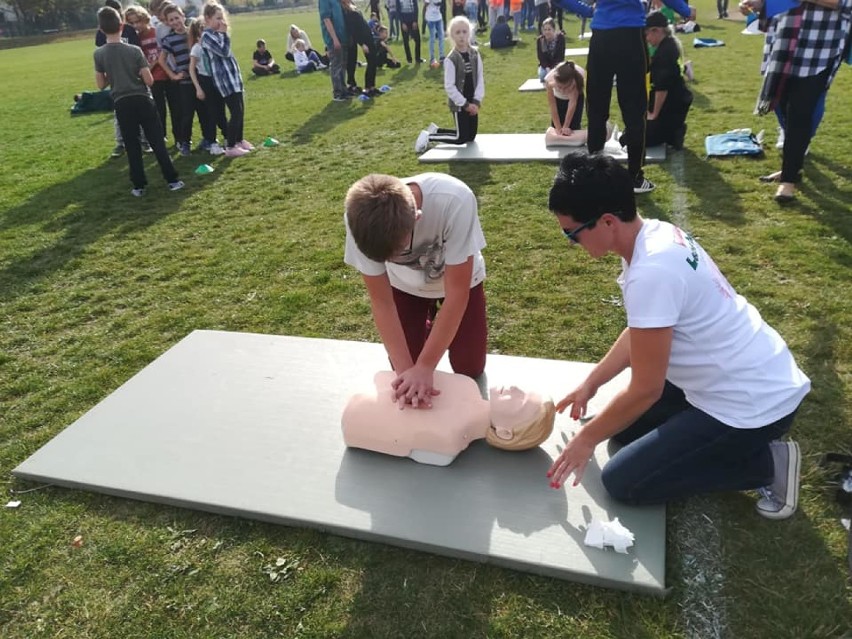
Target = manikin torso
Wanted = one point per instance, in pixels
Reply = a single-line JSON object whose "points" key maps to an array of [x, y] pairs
{"points": [[459, 415]]}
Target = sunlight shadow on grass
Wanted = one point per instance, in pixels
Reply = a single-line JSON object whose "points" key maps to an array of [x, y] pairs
{"points": [[332, 115], [86, 208]]}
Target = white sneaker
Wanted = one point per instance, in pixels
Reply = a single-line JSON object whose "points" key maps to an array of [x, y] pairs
{"points": [[422, 142], [176, 186], [645, 186], [432, 128], [137, 192], [215, 149], [780, 143], [235, 152], [780, 499]]}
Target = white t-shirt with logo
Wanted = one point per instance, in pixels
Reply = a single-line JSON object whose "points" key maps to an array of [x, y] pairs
{"points": [[729, 362], [447, 233]]}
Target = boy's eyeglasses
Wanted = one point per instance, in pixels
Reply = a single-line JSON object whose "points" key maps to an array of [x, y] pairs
{"points": [[572, 235]]}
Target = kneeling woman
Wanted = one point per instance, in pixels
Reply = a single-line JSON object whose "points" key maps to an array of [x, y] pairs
{"points": [[670, 100]]}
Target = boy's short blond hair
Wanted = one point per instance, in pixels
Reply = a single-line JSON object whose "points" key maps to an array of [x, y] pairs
{"points": [[381, 212]]}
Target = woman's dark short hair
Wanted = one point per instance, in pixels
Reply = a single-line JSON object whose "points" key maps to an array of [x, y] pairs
{"points": [[587, 186]]}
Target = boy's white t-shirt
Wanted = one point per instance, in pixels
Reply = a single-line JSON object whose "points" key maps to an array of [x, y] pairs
{"points": [[447, 233], [197, 52], [729, 362]]}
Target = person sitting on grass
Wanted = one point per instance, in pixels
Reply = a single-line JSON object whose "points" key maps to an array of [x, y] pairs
{"points": [[262, 61], [305, 62], [385, 57], [550, 48], [501, 34], [669, 101]]}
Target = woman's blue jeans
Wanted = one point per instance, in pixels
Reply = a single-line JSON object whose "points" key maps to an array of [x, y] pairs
{"points": [[675, 450], [436, 33]]}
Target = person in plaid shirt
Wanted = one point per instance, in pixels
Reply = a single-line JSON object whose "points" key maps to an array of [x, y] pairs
{"points": [[803, 50]]}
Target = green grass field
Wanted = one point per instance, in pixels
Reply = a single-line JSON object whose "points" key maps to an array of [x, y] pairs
{"points": [[95, 284]]}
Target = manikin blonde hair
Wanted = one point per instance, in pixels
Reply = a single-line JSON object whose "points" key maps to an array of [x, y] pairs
{"points": [[529, 435]]}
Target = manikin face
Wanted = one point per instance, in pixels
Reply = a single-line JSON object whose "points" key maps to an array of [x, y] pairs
{"points": [[175, 20], [548, 32], [460, 34], [512, 408], [216, 21]]}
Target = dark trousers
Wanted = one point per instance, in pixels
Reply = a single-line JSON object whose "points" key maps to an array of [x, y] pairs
{"points": [[174, 100], [352, 61], [543, 14], [236, 108], [382, 60], [665, 129], [799, 100], [675, 450], [467, 126], [618, 52], [186, 111], [159, 91], [214, 105], [562, 109], [137, 111], [408, 31], [467, 350]]}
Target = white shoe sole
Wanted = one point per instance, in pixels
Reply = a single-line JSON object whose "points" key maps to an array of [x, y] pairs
{"points": [[793, 473]]}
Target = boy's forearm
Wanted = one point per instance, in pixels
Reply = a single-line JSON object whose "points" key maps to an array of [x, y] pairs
{"points": [[101, 80]]}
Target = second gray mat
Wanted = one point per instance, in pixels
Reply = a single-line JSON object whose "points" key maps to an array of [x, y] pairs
{"points": [[522, 147]]}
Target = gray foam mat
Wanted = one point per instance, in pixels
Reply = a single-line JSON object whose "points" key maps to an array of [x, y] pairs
{"points": [[249, 425], [533, 84], [522, 147]]}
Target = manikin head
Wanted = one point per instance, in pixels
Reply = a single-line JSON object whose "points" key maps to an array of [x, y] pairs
{"points": [[519, 420]]}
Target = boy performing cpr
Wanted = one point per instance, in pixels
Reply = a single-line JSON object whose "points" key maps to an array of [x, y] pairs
{"points": [[417, 242]]}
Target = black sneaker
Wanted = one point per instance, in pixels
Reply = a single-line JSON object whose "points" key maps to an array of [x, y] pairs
{"points": [[643, 186]]}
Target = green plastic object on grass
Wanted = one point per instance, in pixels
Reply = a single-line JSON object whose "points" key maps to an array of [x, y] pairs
{"points": [[204, 169], [270, 141]]}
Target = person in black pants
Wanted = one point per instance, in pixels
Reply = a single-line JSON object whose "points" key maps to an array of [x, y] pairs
{"points": [[617, 49], [359, 34], [408, 15], [670, 99]]}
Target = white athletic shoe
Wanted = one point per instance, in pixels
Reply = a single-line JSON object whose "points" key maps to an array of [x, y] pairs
{"points": [[780, 499], [422, 142], [432, 128], [215, 149]]}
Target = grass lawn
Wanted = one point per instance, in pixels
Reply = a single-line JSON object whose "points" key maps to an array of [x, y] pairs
{"points": [[95, 284]]}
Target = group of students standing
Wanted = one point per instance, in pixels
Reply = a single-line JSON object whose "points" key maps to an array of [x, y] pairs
{"points": [[193, 72]]}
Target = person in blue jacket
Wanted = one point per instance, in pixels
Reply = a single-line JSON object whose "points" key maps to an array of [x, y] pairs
{"points": [[617, 49]]}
